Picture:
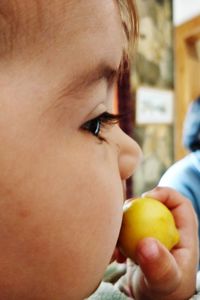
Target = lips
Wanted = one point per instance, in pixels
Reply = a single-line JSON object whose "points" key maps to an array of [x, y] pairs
{"points": [[118, 256]]}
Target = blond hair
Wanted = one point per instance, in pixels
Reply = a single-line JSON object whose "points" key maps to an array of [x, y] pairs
{"points": [[129, 17]]}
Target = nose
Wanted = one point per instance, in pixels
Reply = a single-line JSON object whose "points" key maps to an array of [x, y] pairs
{"points": [[130, 155]]}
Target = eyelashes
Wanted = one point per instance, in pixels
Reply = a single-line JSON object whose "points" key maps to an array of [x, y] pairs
{"points": [[95, 125]]}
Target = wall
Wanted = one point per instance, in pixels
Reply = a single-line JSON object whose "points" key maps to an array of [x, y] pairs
{"points": [[185, 10], [152, 70]]}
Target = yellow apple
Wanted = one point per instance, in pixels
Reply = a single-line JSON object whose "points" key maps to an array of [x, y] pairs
{"points": [[146, 217]]}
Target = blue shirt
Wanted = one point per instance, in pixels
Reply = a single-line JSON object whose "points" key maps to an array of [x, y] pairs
{"points": [[184, 176]]}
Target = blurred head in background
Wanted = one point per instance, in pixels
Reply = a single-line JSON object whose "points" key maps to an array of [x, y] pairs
{"points": [[191, 129]]}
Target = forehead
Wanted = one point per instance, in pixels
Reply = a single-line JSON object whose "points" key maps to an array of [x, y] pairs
{"points": [[37, 22], [91, 27], [95, 27]]}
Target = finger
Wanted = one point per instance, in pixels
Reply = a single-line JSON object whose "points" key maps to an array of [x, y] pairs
{"points": [[183, 212], [158, 267]]}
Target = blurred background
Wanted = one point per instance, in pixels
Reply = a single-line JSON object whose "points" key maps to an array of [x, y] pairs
{"points": [[164, 78]]}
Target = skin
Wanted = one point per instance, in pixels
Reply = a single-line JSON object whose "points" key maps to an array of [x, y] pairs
{"points": [[157, 266], [61, 187]]}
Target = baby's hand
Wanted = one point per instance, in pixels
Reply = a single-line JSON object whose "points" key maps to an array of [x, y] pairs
{"points": [[164, 275]]}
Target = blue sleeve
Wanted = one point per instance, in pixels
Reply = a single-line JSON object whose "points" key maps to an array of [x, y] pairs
{"points": [[184, 178]]}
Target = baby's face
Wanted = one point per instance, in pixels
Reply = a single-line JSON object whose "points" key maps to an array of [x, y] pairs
{"points": [[61, 181]]}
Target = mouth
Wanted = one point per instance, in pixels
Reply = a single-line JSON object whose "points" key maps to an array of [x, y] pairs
{"points": [[118, 256]]}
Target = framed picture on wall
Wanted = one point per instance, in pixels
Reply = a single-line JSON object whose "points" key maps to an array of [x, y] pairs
{"points": [[154, 106]]}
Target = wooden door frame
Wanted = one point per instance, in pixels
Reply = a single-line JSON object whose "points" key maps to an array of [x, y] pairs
{"points": [[187, 76]]}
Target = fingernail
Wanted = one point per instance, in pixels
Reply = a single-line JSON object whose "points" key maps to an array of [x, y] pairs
{"points": [[146, 194], [149, 193]]}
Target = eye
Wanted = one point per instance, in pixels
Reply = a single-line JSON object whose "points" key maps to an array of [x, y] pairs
{"points": [[95, 125]]}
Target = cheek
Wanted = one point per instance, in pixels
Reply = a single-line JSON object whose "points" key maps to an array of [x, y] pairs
{"points": [[65, 211], [96, 217], [89, 205]]}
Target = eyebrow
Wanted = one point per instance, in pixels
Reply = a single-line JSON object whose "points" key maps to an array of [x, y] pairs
{"points": [[102, 71], [89, 77]]}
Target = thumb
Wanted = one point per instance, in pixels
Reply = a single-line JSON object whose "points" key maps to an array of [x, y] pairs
{"points": [[160, 270]]}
